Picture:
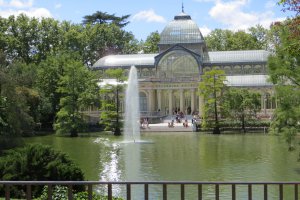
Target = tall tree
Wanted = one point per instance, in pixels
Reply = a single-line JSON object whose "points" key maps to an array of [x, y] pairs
{"points": [[150, 45], [110, 103], [243, 105], [284, 70], [105, 18], [227, 40], [73, 86], [211, 89]]}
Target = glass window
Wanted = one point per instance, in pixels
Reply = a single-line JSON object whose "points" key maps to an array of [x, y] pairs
{"points": [[177, 63]]}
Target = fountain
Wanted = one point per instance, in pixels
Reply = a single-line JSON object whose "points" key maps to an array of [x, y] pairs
{"points": [[132, 108]]}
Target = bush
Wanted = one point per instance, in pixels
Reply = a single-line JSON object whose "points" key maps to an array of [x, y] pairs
{"points": [[61, 193], [37, 163]]}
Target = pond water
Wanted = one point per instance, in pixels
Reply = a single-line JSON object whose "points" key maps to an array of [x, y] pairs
{"points": [[184, 157]]}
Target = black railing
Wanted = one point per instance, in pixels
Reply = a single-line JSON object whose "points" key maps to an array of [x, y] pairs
{"points": [[164, 184]]}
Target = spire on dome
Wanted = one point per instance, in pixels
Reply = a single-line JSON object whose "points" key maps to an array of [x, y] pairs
{"points": [[182, 7]]}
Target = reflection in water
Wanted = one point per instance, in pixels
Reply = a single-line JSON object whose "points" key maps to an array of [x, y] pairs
{"points": [[184, 157], [110, 162]]}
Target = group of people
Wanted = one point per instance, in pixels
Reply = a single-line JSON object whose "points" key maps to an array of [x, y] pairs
{"points": [[144, 122]]}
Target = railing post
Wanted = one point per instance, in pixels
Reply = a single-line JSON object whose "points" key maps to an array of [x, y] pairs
{"points": [[249, 192], [128, 188], [146, 192], [296, 191], [217, 192], [164, 191], [182, 191], [28, 192], [70, 192], [90, 192], [233, 191], [199, 191], [280, 192], [49, 192], [265, 192], [7, 192], [109, 191]]}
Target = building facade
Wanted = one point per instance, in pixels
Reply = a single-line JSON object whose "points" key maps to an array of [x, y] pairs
{"points": [[169, 80]]}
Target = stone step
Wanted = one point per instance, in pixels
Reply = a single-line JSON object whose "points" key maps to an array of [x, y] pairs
{"points": [[163, 127]]}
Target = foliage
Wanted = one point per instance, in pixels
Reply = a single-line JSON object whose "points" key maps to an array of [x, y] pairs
{"points": [[242, 105], [37, 163], [61, 193], [151, 43], [16, 103], [284, 69], [211, 89], [226, 40], [110, 101], [76, 87], [104, 18], [291, 5]]}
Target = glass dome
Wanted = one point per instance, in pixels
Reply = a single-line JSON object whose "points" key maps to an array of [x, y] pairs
{"points": [[181, 30]]}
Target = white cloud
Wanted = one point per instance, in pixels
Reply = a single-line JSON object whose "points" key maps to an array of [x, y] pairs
{"points": [[20, 4], [148, 16], [17, 7], [34, 12], [231, 14], [205, 30], [16, 3], [205, 0], [57, 6]]}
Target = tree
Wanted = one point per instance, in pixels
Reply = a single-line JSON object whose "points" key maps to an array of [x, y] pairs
{"points": [[227, 40], [37, 163], [211, 90], [284, 70], [73, 86], [242, 105], [291, 5], [150, 45], [110, 102], [18, 101], [105, 18], [261, 36], [217, 40]]}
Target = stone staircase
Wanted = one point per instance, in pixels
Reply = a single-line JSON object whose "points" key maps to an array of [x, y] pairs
{"points": [[163, 127]]}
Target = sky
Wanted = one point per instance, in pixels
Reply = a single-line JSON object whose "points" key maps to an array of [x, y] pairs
{"points": [[153, 15]]}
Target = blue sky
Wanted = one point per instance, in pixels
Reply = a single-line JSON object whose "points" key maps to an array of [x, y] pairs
{"points": [[153, 15]]}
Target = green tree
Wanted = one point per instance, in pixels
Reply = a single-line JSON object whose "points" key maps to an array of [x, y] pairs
{"points": [[37, 163], [284, 69], [217, 40], [227, 40], [110, 103], [242, 105], [104, 18], [211, 89], [19, 100], [74, 86], [151, 43]]}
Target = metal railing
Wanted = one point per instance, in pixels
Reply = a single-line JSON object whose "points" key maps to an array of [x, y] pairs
{"points": [[164, 184]]}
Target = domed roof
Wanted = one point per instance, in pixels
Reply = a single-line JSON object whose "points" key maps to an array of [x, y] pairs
{"points": [[181, 30]]}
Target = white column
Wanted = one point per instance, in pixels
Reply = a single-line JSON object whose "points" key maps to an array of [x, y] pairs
{"points": [[159, 99], [192, 100], [201, 106], [170, 102], [151, 100], [181, 100]]}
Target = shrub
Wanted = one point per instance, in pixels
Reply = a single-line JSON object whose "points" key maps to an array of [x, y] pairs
{"points": [[61, 193], [37, 163]]}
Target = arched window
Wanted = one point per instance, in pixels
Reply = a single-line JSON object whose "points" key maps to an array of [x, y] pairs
{"points": [[177, 63]]}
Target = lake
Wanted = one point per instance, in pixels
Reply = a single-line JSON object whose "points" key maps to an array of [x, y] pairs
{"points": [[183, 157]]}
